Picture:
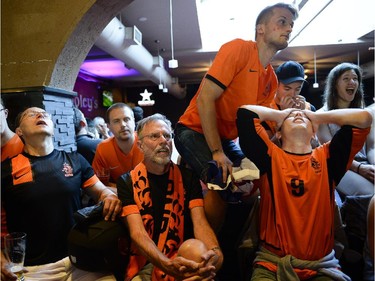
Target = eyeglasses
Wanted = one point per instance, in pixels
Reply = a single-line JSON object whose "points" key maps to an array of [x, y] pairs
{"points": [[33, 114], [156, 136]]}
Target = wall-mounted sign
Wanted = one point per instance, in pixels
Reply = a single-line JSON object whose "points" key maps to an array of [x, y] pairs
{"points": [[86, 103]]}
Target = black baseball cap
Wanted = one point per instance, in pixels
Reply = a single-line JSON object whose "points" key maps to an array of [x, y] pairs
{"points": [[289, 72]]}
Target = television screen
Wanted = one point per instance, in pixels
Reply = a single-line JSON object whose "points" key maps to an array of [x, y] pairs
{"points": [[107, 98]]}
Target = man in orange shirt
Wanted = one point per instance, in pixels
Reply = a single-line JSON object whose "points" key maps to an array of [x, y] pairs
{"points": [[11, 144], [119, 153], [297, 199], [240, 74], [291, 78]]}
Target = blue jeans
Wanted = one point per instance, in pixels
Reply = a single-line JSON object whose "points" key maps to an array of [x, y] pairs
{"points": [[194, 150]]}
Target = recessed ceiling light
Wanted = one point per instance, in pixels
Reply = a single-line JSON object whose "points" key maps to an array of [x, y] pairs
{"points": [[142, 19]]}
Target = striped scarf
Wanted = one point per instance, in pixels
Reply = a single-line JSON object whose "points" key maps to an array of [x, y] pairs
{"points": [[172, 228]]}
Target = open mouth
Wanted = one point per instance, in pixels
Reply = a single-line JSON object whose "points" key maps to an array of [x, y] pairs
{"points": [[350, 91], [41, 122]]}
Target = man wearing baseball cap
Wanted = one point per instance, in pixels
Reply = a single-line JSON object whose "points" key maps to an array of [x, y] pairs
{"points": [[291, 77]]}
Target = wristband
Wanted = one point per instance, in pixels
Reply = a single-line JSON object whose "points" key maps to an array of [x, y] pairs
{"points": [[216, 150], [359, 167]]}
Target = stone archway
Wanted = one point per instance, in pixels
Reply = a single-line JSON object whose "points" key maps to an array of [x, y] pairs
{"points": [[43, 46], [44, 43]]}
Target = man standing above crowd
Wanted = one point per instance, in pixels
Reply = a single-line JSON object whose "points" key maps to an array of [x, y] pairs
{"points": [[40, 191], [240, 74], [162, 207], [119, 153]]}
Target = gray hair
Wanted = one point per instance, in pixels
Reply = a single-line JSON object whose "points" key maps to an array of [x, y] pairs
{"points": [[155, 117]]}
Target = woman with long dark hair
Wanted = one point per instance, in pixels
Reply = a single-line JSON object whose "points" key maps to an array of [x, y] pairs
{"points": [[344, 89]]}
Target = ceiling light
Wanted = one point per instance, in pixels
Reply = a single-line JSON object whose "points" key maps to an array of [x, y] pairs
{"points": [[161, 86], [316, 84], [142, 19], [165, 89], [172, 63]]}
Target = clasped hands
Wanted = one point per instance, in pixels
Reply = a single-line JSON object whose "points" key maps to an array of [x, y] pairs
{"points": [[188, 270]]}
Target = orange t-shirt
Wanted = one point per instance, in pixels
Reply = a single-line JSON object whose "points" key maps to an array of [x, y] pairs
{"points": [[12, 148], [108, 155], [238, 70], [296, 215]]}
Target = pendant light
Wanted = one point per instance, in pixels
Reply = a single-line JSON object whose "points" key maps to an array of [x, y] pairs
{"points": [[161, 86], [165, 89], [160, 64], [172, 63], [316, 84]]}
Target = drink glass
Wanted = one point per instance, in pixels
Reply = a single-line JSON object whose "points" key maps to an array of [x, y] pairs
{"points": [[103, 175], [15, 249]]}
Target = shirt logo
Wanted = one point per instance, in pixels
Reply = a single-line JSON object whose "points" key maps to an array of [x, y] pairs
{"points": [[17, 177], [252, 70], [21, 170], [68, 170], [315, 165]]}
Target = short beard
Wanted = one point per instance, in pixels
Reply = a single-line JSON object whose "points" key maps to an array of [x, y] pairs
{"points": [[124, 138], [161, 160], [282, 46]]}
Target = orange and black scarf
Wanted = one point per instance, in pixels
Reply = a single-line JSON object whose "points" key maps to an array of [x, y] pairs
{"points": [[172, 229]]}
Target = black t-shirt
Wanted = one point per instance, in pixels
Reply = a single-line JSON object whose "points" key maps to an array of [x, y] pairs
{"points": [[158, 185], [40, 198]]}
